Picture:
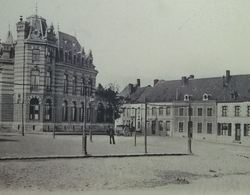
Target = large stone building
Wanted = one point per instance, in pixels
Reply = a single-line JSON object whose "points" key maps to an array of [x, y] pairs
{"points": [[44, 79], [218, 108]]}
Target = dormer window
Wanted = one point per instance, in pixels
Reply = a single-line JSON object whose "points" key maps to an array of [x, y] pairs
{"points": [[205, 97], [186, 97]]}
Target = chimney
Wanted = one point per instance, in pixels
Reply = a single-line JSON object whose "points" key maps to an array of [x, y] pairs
{"points": [[184, 80], [156, 81], [138, 82], [130, 88], [228, 77]]}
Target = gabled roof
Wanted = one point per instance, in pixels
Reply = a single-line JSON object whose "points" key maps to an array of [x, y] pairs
{"points": [[236, 89]]}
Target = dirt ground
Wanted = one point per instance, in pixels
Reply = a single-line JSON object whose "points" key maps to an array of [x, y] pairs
{"points": [[213, 167]]}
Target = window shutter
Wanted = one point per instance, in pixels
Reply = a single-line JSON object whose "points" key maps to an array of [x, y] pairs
{"points": [[229, 129]]}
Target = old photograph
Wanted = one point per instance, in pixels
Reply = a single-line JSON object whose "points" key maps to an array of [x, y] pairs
{"points": [[125, 97]]}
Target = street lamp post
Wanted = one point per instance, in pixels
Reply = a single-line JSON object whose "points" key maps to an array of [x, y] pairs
{"points": [[84, 135], [91, 119], [135, 123], [189, 129], [145, 125], [23, 89]]}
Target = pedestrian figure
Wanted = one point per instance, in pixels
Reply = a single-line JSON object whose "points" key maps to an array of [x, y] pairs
{"points": [[111, 134]]}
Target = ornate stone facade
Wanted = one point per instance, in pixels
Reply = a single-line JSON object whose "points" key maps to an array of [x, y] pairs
{"points": [[50, 76]]}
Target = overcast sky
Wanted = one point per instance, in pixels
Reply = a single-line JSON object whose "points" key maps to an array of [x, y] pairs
{"points": [[149, 39]]}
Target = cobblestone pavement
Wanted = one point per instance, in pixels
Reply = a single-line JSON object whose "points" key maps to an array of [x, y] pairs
{"points": [[13, 145], [215, 167]]}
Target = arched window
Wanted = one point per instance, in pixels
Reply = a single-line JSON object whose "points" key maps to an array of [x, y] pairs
{"points": [[90, 87], [73, 112], [70, 57], [65, 83], [83, 61], [34, 80], [65, 111], [66, 57], [74, 61], [48, 80], [78, 58], [81, 112], [82, 86], [34, 109], [100, 113], [74, 85], [48, 110]]}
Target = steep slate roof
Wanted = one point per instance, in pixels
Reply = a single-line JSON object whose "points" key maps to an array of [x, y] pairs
{"points": [[68, 42], [124, 92], [141, 91], [167, 91]]}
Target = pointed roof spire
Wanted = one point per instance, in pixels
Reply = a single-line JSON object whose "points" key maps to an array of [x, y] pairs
{"points": [[90, 54], [36, 8], [90, 57], [83, 51], [9, 37]]}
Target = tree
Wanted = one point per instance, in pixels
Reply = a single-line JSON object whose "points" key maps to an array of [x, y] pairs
{"points": [[110, 96]]}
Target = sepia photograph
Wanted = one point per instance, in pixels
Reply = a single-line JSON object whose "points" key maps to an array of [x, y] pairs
{"points": [[125, 97]]}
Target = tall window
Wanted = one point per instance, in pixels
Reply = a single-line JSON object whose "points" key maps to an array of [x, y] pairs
{"points": [[168, 111], [48, 110], [224, 111], [74, 85], [83, 61], [246, 129], [34, 109], [65, 111], [138, 112], [248, 110], [90, 88], [34, 80], [224, 129], [35, 55], [74, 59], [148, 111], [209, 111], [70, 57], [181, 127], [199, 127], [82, 86], [73, 112], [66, 57], [160, 126], [181, 111], [237, 111], [48, 80], [154, 111], [199, 111], [209, 128], [161, 111], [81, 112], [65, 83], [167, 125]]}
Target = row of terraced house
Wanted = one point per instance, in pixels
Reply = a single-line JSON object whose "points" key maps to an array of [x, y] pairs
{"points": [[218, 108]]}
